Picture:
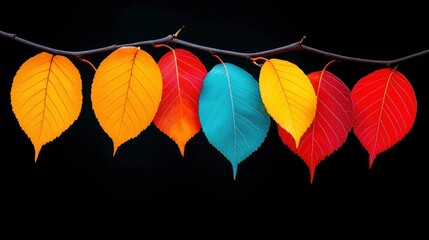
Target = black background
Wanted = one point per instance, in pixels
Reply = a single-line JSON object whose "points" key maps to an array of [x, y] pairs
{"points": [[77, 183]]}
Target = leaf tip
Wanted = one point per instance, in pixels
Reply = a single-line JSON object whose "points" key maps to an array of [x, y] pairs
{"points": [[36, 152], [115, 149], [182, 149], [312, 172], [297, 144], [297, 140], [234, 171], [371, 160]]}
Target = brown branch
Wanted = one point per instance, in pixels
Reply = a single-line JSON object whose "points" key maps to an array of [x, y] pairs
{"points": [[170, 39]]}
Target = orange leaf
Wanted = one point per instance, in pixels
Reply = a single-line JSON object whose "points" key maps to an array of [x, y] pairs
{"points": [[126, 92], [46, 97], [385, 108], [331, 125], [182, 76]]}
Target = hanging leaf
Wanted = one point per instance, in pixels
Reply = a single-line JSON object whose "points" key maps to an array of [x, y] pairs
{"points": [[385, 108], [126, 92], [177, 115], [331, 125], [288, 96], [231, 112], [46, 97]]}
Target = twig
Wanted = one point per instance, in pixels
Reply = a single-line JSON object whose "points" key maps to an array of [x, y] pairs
{"points": [[172, 39]]}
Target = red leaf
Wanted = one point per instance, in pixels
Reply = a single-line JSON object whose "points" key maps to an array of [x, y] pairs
{"points": [[331, 125], [385, 108], [177, 115]]}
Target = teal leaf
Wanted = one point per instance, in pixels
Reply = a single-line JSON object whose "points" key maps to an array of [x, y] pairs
{"points": [[232, 115]]}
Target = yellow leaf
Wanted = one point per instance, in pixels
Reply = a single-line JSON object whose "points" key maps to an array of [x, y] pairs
{"points": [[46, 97], [126, 92], [288, 96]]}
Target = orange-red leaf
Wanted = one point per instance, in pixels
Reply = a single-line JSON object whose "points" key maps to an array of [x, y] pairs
{"points": [[331, 125], [385, 108], [177, 115], [126, 92], [46, 97]]}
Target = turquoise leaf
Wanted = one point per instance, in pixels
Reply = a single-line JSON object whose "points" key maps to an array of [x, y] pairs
{"points": [[232, 115]]}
